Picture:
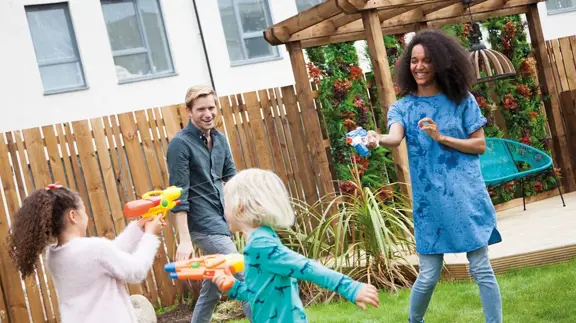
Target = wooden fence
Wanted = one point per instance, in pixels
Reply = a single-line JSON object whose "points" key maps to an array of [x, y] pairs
{"points": [[115, 159], [562, 56]]}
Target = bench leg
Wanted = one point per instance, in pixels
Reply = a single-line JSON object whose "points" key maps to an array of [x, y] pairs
{"points": [[523, 195], [558, 186]]}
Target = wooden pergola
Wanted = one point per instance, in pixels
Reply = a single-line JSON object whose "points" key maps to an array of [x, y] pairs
{"points": [[335, 21]]}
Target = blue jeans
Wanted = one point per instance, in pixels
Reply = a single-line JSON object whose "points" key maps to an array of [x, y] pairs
{"points": [[210, 294], [480, 269]]}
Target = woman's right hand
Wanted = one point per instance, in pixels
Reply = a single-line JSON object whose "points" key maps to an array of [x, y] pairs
{"points": [[155, 226], [373, 139]]}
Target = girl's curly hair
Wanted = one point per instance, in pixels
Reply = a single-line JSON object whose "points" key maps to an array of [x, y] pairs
{"points": [[454, 71], [40, 218]]}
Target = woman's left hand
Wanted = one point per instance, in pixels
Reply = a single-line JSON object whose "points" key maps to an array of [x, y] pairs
{"points": [[430, 127]]}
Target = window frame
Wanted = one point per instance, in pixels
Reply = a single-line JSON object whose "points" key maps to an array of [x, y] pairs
{"points": [[296, 2], [143, 50], [251, 35], [54, 62], [551, 12]]}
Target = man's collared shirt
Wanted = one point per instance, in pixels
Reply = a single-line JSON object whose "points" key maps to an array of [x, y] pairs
{"points": [[201, 173]]}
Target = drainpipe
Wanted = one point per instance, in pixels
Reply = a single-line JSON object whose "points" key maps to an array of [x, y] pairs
{"points": [[204, 44]]}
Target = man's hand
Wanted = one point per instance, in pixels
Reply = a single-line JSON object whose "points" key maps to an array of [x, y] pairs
{"points": [[185, 250], [430, 127]]}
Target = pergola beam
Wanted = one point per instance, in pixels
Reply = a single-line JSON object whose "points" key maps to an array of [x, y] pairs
{"points": [[481, 16], [352, 23], [280, 32], [361, 5], [404, 19], [409, 27], [359, 35], [420, 14]]}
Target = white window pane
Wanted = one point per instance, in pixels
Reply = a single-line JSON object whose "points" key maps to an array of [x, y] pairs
{"points": [[155, 35], [130, 66], [137, 37], [61, 76], [50, 34], [232, 30], [560, 4], [304, 5], [122, 25], [242, 20], [252, 15], [258, 47]]}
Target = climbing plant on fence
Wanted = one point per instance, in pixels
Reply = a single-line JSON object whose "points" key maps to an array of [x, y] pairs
{"points": [[345, 105], [518, 99]]}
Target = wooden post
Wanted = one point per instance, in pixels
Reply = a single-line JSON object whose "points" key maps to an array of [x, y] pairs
{"points": [[420, 26], [568, 101], [385, 87], [550, 98], [320, 164]]}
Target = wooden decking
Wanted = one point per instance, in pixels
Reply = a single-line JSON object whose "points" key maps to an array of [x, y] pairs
{"points": [[543, 234]]}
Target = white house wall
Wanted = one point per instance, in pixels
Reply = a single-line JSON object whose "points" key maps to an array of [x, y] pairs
{"points": [[25, 105], [249, 77], [557, 25]]}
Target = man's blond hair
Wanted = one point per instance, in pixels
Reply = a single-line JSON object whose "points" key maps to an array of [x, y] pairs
{"points": [[196, 92]]}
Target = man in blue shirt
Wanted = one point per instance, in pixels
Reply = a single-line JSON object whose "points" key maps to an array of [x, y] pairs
{"points": [[199, 161]]}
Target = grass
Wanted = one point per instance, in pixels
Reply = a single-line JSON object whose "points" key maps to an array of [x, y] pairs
{"points": [[534, 295]]}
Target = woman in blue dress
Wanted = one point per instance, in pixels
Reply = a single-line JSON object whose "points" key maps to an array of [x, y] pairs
{"points": [[443, 126]]}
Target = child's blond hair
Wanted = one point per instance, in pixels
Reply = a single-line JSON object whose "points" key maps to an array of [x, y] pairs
{"points": [[257, 197]]}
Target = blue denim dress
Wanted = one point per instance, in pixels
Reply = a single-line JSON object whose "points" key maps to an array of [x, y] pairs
{"points": [[452, 209]]}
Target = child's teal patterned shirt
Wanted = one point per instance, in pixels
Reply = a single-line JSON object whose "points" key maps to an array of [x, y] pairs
{"points": [[271, 278]]}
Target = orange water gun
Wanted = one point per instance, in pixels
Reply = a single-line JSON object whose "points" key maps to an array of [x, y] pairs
{"points": [[154, 203], [206, 267]]}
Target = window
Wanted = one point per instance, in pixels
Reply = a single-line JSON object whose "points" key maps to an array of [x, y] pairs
{"points": [[557, 6], [304, 5], [138, 39], [55, 47], [244, 22]]}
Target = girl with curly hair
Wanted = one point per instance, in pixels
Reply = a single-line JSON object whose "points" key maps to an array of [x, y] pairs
{"points": [[88, 272], [443, 126]]}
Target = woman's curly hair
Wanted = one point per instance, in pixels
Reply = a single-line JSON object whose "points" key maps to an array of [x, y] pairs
{"points": [[40, 218], [454, 71]]}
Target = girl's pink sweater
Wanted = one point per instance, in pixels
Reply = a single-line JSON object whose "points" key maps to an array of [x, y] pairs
{"points": [[89, 275]]}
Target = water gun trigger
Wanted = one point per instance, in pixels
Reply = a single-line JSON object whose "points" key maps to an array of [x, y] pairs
{"points": [[154, 203]]}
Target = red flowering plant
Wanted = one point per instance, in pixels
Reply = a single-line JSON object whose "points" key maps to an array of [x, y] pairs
{"points": [[518, 99], [345, 105]]}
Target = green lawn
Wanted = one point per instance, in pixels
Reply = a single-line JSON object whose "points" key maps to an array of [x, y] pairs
{"points": [[535, 295]]}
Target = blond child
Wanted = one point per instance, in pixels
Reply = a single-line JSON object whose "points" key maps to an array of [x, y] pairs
{"points": [[256, 201], [88, 272]]}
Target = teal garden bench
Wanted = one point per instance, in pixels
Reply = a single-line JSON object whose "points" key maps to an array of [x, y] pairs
{"points": [[500, 164]]}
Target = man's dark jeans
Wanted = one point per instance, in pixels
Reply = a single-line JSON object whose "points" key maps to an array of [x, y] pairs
{"points": [[210, 294]]}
